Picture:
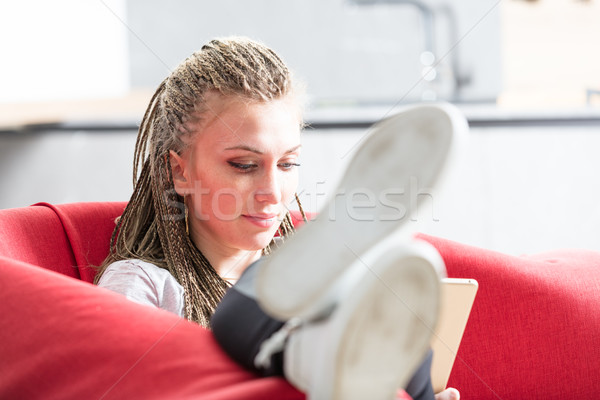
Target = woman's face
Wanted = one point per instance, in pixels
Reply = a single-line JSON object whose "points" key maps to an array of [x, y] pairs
{"points": [[240, 172]]}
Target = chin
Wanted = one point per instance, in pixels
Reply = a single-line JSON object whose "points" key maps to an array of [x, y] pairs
{"points": [[259, 241]]}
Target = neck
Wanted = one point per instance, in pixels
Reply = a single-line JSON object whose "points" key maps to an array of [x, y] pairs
{"points": [[230, 267], [227, 261]]}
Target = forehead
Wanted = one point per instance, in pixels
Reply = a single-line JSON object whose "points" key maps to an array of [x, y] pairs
{"points": [[233, 122]]}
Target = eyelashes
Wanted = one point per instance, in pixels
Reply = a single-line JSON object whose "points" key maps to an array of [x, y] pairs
{"points": [[243, 167], [287, 166]]}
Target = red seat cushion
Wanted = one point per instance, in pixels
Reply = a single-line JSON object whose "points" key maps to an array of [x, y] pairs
{"points": [[66, 339], [534, 330]]}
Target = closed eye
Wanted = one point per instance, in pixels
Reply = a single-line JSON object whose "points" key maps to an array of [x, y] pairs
{"points": [[242, 167], [288, 166]]}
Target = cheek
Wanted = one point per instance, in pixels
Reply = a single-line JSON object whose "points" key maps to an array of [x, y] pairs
{"points": [[220, 198], [226, 204]]}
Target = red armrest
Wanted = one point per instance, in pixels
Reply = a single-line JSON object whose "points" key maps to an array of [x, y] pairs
{"points": [[89, 227], [35, 235], [66, 339]]}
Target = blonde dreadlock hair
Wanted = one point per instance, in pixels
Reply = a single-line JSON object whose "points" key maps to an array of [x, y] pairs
{"points": [[153, 227]]}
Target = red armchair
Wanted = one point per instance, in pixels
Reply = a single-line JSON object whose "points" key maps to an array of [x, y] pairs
{"points": [[534, 331]]}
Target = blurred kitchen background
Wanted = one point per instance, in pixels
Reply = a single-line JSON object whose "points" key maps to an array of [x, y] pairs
{"points": [[76, 76]]}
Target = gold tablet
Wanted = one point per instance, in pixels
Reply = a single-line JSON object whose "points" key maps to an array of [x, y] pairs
{"points": [[457, 296]]}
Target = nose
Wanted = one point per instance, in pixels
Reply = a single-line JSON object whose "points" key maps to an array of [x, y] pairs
{"points": [[269, 188]]}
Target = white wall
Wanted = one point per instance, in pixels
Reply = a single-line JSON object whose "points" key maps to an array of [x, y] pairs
{"points": [[343, 51], [63, 167], [518, 190]]}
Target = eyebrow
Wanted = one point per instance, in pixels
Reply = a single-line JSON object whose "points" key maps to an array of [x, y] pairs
{"points": [[254, 150]]}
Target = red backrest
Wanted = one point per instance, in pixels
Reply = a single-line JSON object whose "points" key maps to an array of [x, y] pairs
{"points": [[534, 330]]}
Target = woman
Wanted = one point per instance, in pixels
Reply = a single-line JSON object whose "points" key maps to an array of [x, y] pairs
{"points": [[217, 152]]}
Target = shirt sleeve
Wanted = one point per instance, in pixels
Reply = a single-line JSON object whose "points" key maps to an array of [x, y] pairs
{"points": [[130, 280], [144, 283]]}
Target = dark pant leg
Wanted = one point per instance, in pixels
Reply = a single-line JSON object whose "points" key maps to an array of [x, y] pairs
{"points": [[419, 387], [240, 326]]}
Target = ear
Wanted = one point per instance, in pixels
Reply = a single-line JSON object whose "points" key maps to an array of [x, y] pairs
{"points": [[179, 169]]}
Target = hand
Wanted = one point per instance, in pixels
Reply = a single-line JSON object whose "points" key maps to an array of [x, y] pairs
{"points": [[448, 394]]}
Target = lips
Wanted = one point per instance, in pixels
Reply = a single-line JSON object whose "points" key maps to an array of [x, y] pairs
{"points": [[262, 220]]}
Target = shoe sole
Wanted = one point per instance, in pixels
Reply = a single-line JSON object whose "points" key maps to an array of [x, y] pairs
{"points": [[413, 145], [383, 328]]}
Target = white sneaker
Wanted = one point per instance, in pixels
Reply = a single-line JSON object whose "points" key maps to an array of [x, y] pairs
{"points": [[378, 333], [411, 146]]}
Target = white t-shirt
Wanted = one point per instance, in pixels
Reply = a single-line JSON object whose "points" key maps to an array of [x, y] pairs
{"points": [[144, 283]]}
